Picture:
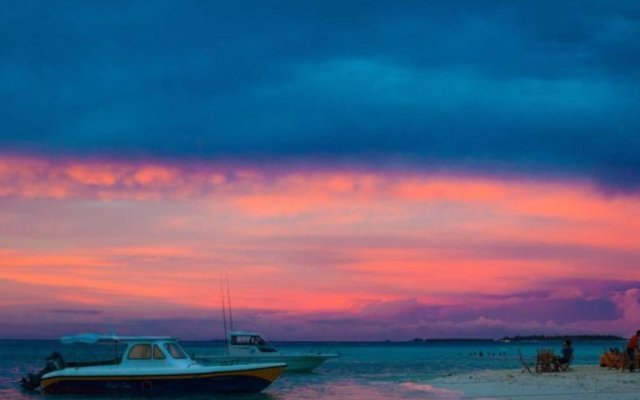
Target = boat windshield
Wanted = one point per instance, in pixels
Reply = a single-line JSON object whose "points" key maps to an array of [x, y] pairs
{"points": [[263, 345], [175, 351]]}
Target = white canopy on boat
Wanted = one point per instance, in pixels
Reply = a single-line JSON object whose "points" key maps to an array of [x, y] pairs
{"points": [[93, 338], [243, 333]]}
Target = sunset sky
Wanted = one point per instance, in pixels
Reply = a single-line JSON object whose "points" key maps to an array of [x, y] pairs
{"points": [[361, 170]]}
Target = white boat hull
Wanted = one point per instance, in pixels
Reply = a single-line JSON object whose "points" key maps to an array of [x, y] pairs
{"points": [[295, 362]]}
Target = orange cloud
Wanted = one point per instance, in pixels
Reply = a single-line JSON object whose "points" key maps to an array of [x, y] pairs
{"points": [[441, 189], [99, 175]]}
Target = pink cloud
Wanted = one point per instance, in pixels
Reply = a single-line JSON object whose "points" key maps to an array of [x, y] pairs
{"points": [[343, 243]]}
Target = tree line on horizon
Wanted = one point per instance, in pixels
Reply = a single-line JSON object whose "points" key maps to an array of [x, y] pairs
{"points": [[584, 337], [527, 338]]}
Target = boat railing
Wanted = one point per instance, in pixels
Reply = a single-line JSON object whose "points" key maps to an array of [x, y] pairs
{"points": [[78, 364]]}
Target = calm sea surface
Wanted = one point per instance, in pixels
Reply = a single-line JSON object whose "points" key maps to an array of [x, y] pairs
{"points": [[371, 371]]}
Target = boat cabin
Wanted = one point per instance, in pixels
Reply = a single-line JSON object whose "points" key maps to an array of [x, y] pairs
{"points": [[131, 351], [242, 343]]}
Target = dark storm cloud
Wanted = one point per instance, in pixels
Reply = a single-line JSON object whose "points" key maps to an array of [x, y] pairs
{"points": [[532, 86]]}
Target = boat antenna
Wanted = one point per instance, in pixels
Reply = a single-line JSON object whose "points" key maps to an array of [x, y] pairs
{"points": [[224, 310], [229, 301]]}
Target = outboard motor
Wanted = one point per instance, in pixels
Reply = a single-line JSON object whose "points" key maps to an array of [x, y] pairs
{"points": [[54, 362]]}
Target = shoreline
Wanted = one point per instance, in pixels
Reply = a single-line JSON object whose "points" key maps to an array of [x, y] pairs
{"points": [[580, 382]]}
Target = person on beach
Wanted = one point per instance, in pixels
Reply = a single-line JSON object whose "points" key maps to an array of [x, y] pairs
{"points": [[632, 347], [567, 352], [567, 356]]}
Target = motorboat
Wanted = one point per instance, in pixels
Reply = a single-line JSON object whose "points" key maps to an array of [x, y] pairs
{"points": [[251, 347], [148, 366]]}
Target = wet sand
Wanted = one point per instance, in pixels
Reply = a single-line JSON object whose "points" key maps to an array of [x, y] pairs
{"points": [[581, 382]]}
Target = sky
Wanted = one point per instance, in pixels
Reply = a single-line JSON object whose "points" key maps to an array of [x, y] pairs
{"points": [[361, 170]]}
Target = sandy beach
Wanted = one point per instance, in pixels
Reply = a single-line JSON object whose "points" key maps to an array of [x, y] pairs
{"points": [[581, 382]]}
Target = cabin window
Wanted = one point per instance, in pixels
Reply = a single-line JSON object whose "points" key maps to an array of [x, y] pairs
{"points": [[263, 345], [140, 352], [175, 351], [157, 353], [242, 340]]}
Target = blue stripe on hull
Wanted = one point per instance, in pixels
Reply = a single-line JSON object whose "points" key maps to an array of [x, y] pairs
{"points": [[220, 384]]}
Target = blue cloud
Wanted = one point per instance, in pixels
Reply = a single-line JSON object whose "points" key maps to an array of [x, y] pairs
{"points": [[533, 86]]}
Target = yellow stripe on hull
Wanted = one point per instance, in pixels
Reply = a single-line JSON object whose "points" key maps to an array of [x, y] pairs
{"points": [[269, 374]]}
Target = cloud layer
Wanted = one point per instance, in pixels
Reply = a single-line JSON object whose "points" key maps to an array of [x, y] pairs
{"points": [[538, 87]]}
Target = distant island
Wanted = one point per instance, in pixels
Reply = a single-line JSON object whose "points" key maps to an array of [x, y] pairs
{"points": [[526, 338], [429, 340], [555, 338]]}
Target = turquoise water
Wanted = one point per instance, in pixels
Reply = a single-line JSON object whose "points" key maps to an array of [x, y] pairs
{"points": [[371, 371]]}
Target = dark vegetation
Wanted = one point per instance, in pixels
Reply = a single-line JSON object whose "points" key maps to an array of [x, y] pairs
{"points": [[555, 338]]}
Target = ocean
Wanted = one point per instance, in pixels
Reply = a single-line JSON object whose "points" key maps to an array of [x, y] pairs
{"points": [[367, 371]]}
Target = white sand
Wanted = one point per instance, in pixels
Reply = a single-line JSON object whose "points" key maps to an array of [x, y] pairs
{"points": [[581, 382]]}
